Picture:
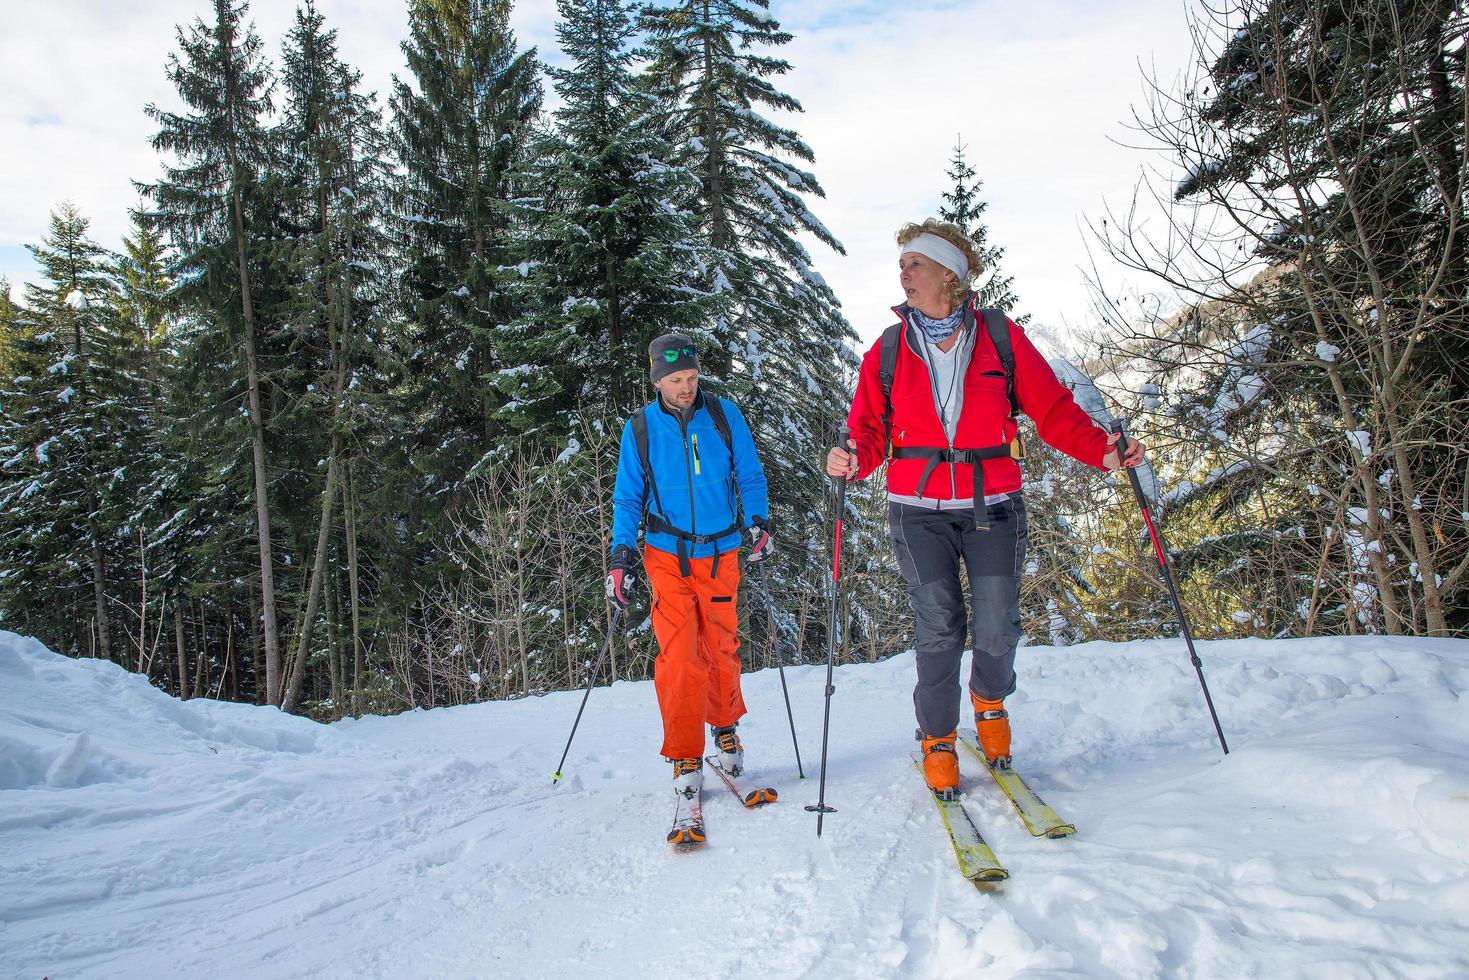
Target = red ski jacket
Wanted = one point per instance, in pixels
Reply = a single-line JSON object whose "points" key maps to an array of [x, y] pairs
{"points": [[984, 421]]}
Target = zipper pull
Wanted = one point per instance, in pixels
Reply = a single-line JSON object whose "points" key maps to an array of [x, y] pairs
{"points": [[694, 440]]}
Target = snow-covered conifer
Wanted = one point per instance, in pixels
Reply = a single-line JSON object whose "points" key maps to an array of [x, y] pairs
{"points": [[782, 343], [613, 259], [214, 202], [965, 208], [460, 129]]}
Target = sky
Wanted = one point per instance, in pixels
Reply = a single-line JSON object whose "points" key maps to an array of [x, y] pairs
{"points": [[1040, 92]]}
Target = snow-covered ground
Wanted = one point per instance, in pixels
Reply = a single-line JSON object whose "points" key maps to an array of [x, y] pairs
{"points": [[143, 837]]}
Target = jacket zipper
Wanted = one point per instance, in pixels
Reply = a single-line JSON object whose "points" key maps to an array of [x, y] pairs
{"points": [[932, 382], [688, 460]]}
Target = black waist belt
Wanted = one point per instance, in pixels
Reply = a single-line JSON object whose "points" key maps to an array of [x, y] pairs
{"points": [[976, 457], [656, 524]]}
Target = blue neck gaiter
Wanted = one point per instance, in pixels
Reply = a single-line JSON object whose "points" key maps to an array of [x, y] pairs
{"points": [[937, 331]]}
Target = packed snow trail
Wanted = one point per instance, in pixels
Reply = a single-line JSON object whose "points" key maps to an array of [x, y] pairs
{"points": [[142, 836]]}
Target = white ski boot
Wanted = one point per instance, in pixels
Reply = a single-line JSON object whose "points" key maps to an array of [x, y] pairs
{"points": [[731, 752], [688, 777]]}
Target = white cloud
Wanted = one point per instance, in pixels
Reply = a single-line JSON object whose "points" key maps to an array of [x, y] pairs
{"points": [[78, 74], [1039, 92]]}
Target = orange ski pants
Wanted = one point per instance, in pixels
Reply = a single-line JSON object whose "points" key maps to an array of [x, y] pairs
{"points": [[697, 673]]}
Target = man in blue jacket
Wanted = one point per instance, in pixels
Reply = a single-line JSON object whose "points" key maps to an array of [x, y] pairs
{"points": [[681, 460]]}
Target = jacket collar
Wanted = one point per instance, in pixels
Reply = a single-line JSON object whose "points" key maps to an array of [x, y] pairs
{"points": [[904, 311], [694, 407]]}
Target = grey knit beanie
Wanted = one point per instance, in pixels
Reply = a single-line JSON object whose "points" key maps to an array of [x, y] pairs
{"points": [[669, 353]]}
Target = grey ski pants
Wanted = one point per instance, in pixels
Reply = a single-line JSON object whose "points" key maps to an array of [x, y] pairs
{"points": [[930, 545]]}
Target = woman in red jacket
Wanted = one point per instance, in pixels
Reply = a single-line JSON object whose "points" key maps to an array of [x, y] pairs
{"points": [[952, 420]]}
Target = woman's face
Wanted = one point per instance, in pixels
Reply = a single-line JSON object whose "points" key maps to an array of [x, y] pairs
{"points": [[923, 282]]}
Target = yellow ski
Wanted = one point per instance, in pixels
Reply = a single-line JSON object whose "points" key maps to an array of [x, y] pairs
{"points": [[977, 861], [1035, 813]]}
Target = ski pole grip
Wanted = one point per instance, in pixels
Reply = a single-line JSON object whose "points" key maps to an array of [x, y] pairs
{"points": [[1120, 427], [844, 435]]}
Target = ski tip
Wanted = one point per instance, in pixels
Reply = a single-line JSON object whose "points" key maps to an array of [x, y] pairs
{"points": [[989, 878], [760, 797], [686, 838]]}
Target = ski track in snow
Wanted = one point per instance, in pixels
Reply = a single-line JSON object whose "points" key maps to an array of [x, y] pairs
{"points": [[141, 836]]}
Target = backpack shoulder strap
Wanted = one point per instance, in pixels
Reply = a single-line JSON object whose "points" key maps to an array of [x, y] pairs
{"points": [[715, 408], [640, 439], [887, 366], [999, 330]]}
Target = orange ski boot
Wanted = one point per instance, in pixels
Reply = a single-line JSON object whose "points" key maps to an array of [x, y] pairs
{"points": [[992, 724], [688, 777], [941, 766]]}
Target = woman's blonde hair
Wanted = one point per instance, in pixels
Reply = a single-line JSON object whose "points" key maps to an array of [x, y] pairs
{"points": [[955, 292]]}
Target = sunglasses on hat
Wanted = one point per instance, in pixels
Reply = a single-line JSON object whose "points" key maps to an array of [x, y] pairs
{"points": [[673, 354]]}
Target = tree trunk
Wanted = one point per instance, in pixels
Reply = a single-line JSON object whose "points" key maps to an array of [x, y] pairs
{"points": [[178, 642], [1393, 617], [714, 140], [333, 615], [201, 657], [256, 644], [313, 591], [349, 492], [1423, 553], [143, 605], [99, 580], [257, 421], [329, 494], [229, 649], [229, 612], [323, 536]]}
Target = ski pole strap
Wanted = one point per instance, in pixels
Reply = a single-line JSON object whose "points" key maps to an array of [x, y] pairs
{"points": [[658, 524], [975, 457]]}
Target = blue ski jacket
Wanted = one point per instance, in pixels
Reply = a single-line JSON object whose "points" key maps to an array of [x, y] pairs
{"points": [[696, 477]]}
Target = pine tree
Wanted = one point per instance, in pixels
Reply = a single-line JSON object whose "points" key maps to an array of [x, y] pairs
{"points": [[147, 313], [10, 333], [781, 344], [60, 448], [144, 287], [331, 135], [459, 136], [613, 261], [213, 204], [964, 207]]}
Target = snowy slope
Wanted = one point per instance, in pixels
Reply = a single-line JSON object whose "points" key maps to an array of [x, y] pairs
{"points": [[144, 837]]}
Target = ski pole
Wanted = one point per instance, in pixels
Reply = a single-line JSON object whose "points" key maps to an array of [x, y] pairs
{"points": [[1161, 552], [596, 669], [779, 663], [821, 809]]}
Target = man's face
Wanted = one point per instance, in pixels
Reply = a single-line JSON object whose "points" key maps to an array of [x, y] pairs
{"points": [[679, 388]]}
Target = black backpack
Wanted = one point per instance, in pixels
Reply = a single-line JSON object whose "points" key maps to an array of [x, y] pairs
{"points": [[999, 330]]}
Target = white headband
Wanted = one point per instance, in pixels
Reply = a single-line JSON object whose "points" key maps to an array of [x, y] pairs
{"points": [[941, 252]]}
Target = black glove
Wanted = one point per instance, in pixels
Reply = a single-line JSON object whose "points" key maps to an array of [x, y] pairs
{"points": [[622, 580], [761, 544]]}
